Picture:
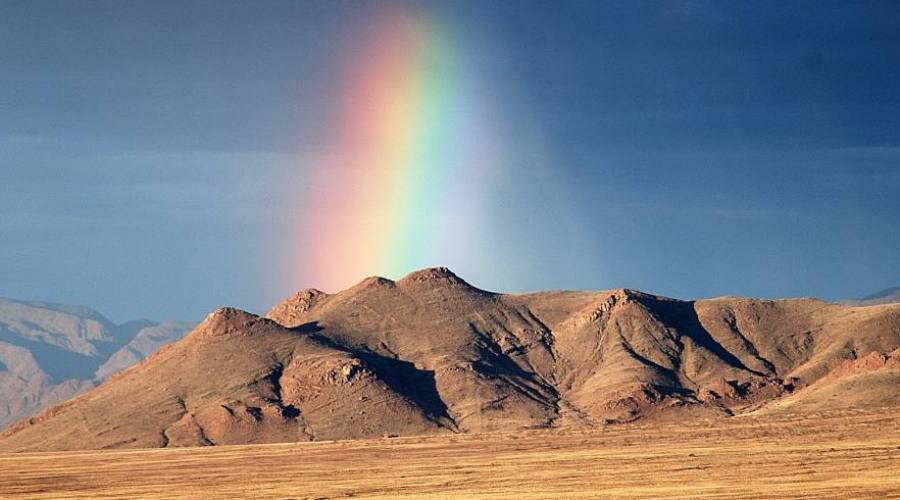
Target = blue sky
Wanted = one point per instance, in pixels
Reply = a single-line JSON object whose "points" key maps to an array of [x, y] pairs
{"points": [[686, 148]]}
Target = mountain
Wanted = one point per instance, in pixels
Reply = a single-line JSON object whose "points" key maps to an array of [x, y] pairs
{"points": [[870, 382], [432, 354], [149, 338], [886, 296], [52, 352]]}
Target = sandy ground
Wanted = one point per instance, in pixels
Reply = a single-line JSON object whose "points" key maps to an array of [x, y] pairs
{"points": [[850, 454]]}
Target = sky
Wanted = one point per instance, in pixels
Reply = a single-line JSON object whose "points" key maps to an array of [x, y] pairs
{"points": [[162, 159]]}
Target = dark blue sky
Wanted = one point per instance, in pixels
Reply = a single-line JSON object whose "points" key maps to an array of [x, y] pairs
{"points": [[686, 148]]}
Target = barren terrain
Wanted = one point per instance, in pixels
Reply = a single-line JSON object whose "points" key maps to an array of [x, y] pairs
{"points": [[840, 454], [428, 387], [431, 354]]}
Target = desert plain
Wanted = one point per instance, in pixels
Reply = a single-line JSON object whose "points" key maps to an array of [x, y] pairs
{"points": [[840, 454]]}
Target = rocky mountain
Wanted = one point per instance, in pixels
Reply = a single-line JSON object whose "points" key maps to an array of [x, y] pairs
{"points": [[432, 354], [52, 352]]}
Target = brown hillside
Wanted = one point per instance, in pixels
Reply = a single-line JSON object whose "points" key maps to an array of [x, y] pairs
{"points": [[237, 378], [870, 382], [431, 354]]}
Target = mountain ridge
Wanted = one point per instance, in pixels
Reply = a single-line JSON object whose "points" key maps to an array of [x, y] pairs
{"points": [[50, 352], [430, 353], [886, 296]]}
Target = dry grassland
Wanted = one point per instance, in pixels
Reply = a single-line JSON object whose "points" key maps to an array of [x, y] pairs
{"points": [[838, 455]]}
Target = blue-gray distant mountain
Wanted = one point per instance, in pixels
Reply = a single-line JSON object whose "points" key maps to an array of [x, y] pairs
{"points": [[52, 352], [886, 296]]}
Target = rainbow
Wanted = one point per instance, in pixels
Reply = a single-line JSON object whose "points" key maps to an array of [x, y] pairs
{"points": [[410, 157]]}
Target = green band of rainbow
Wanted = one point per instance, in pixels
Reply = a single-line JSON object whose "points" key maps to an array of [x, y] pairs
{"points": [[404, 140]]}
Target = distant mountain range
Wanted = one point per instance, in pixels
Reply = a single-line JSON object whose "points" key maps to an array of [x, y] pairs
{"points": [[52, 352], [886, 296], [432, 354]]}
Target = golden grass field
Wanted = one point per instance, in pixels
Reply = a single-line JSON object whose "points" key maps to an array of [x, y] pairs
{"points": [[849, 454]]}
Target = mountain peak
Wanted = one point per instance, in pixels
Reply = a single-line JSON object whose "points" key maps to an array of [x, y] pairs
{"points": [[885, 296], [434, 276], [225, 320], [886, 293], [294, 306], [431, 273], [374, 281], [625, 294]]}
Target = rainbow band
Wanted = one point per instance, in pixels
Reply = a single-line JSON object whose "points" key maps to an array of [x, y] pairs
{"points": [[403, 140]]}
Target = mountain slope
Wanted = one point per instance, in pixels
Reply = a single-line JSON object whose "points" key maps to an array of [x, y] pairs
{"points": [[430, 353], [237, 378], [51, 352], [869, 382]]}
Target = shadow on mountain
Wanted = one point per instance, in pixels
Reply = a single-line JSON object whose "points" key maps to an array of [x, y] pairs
{"points": [[682, 315], [58, 363], [126, 332], [402, 377]]}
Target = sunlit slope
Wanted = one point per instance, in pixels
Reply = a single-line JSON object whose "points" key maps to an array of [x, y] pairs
{"points": [[432, 354]]}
